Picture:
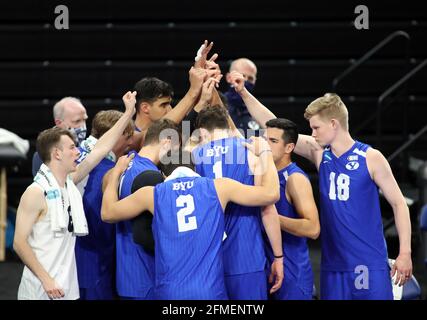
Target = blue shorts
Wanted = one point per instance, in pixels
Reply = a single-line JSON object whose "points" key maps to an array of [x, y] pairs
{"points": [[337, 285], [290, 290], [247, 286], [148, 296], [103, 291]]}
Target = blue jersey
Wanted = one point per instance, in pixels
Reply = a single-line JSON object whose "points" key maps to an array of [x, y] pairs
{"points": [[135, 266], [243, 247], [352, 230], [95, 253], [295, 250], [188, 227]]}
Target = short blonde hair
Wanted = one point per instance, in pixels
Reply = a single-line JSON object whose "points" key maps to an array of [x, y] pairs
{"points": [[330, 106], [105, 120]]}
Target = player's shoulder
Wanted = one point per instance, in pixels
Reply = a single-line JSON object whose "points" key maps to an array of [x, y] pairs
{"points": [[297, 180], [374, 154], [34, 189], [34, 195], [375, 160], [223, 182]]}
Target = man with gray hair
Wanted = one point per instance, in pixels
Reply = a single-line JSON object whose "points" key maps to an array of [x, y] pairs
{"points": [[68, 113]]}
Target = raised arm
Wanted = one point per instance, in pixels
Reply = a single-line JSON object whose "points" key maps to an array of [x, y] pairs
{"points": [[107, 141], [31, 207], [202, 70], [216, 100], [197, 77], [206, 96], [382, 175], [112, 209], [306, 146], [257, 110]]}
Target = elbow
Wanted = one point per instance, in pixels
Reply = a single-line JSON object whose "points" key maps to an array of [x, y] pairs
{"points": [[276, 194], [106, 216], [16, 245], [315, 232], [272, 196], [400, 205]]}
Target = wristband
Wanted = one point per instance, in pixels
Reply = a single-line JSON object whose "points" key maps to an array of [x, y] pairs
{"points": [[278, 257]]}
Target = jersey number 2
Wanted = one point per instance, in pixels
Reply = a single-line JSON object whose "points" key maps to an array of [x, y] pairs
{"points": [[186, 202], [341, 185]]}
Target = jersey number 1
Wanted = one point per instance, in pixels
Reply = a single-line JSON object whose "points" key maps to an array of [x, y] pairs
{"points": [[186, 202], [341, 185], [217, 169]]}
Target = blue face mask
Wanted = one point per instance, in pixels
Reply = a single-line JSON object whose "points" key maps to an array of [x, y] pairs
{"points": [[234, 99], [80, 133]]}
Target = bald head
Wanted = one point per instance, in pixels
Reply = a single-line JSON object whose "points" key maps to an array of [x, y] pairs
{"points": [[246, 67], [69, 113]]}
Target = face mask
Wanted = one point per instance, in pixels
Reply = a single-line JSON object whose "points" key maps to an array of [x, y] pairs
{"points": [[80, 133], [234, 99]]}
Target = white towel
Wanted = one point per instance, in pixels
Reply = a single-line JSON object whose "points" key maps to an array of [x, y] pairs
{"points": [[89, 144], [8, 137], [182, 172], [397, 290], [55, 203]]}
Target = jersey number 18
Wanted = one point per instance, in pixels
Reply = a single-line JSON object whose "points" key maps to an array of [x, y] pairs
{"points": [[339, 187]]}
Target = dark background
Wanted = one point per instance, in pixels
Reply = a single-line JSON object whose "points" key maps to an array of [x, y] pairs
{"points": [[299, 47]]}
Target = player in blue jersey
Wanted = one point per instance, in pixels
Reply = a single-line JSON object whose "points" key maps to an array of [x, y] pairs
{"points": [[135, 266], [354, 253], [188, 223], [221, 155], [297, 210], [95, 253]]}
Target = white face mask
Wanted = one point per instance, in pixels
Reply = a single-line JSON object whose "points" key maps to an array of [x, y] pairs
{"points": [[79, 132]]}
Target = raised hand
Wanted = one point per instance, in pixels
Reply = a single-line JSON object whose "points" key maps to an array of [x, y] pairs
{"points": [[257, 145], [197, 77], [129, 99], [213, 69], [201, 61], [237, 80], [202, 54], [207, 91], [123, 163]]}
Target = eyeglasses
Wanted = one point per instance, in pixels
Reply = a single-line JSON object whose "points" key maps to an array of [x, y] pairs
{"points": [[70, 220]]}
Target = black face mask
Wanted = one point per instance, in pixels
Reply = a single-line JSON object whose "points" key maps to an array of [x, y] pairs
{"points": [[234, 99]]}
